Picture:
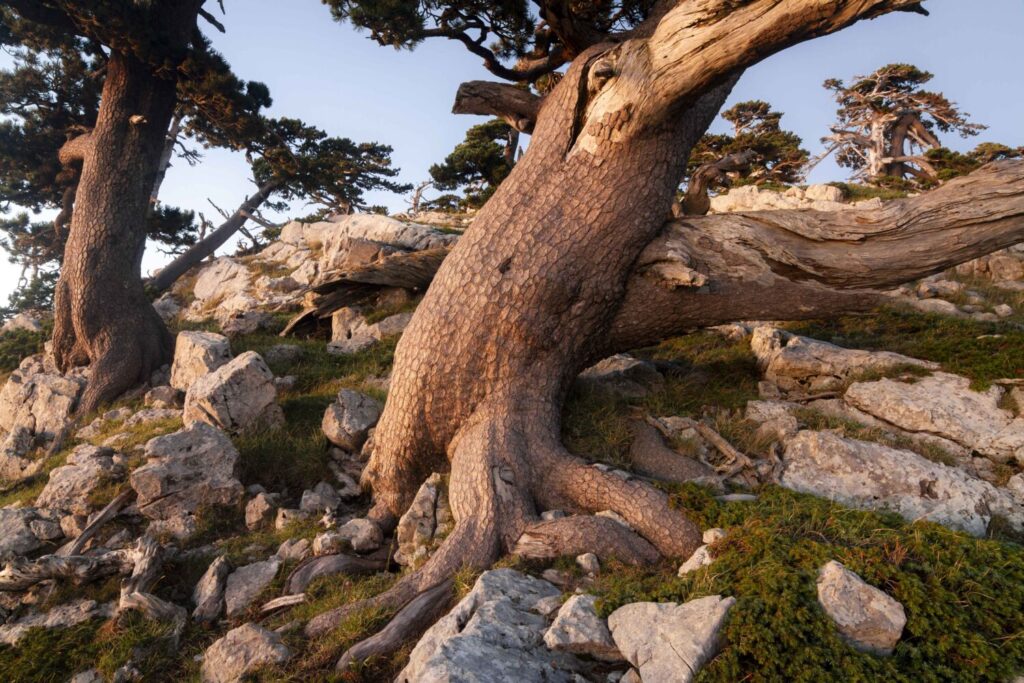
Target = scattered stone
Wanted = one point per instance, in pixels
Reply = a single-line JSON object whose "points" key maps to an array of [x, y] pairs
{"points": [[1002, 310], [867, 618], [240, 396], [579, 630], [945, 405], [622, 375], [701, 558], [427, 519], [260, 510], [804, 365], [286, 516], [320, 499], [243, 651], [296, 549], [16, 536], [871, 476], [164, 397], [246, 583], [196, 354], [62, 616], [669, 642], [208, 596], [185, 470], [589, 563], [348, 420], [549, 515], [69, 486], [35, 404], [713, 535], [492, 634], [361, 535]]}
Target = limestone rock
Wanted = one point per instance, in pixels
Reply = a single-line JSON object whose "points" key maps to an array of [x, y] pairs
{"points": [[589, 563], [296, 549], [208, 596], [69, 486], [361, 535], [871, 476], [196, 354], [669, 642], [260, 510], [320, 499], [348, 420], [16, 536], [164, 397], [239, 396], [35, 404], [946, 406], [62, 616], [23, 321], [622, 375], [578, 629], [426, 519], [246, 583], [492, 635], [701, 558], [220, 280], [801, 364], [184, 470], [867, 618], [243, 651]]}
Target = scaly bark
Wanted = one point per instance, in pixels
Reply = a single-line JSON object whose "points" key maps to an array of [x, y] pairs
{"points": [[527, 297], [102, 313]]}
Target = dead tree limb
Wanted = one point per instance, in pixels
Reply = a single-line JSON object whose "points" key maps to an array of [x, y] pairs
{"points": [[516, 106]]}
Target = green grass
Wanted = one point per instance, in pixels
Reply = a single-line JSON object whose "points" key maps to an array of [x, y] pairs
{"points": [[55, 655], [963, 347], [962, 595], [708, 370]]}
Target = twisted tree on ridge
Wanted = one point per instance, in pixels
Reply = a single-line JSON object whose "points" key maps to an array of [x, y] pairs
{"points": [[572, 260]]}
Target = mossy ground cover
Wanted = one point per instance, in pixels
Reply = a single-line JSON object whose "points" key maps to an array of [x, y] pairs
{"points": [[962, 595]]}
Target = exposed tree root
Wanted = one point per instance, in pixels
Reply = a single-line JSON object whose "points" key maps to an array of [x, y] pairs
{"points": [[502, 469], [585, 534], [411, 621]]}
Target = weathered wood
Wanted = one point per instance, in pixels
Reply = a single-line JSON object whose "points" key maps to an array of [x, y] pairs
{"points": [[109, 512], [797, 265], [21, 574], [516, 106], [411, 621], [330, 565]]}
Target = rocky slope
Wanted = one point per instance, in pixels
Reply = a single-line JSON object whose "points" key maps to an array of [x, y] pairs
{"points": [[861, 484]]}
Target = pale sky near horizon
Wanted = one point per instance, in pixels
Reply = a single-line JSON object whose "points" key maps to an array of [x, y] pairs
{"points": [[335, 77]]}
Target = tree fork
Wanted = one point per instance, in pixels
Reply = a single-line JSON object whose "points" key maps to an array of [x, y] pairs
{"points": [[529, 294]]}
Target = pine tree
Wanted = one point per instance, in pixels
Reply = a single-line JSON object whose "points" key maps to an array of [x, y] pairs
{"points": [[888, 123]]}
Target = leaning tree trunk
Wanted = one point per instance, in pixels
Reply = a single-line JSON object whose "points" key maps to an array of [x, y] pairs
{"points": [[530, 293], [170, 273], [102, 314]]}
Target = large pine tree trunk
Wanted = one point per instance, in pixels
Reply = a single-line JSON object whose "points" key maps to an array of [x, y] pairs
{"points": [[531, 293], [102, 314]]}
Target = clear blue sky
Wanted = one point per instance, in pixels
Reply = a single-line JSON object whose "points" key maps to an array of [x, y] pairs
{"points": [[332, 76]]}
